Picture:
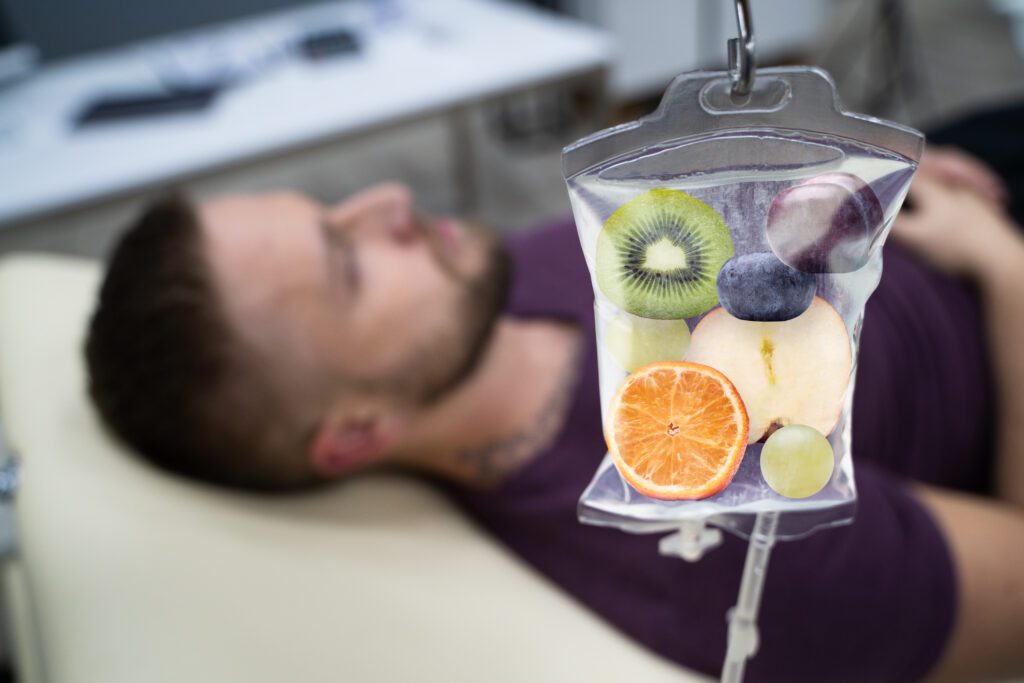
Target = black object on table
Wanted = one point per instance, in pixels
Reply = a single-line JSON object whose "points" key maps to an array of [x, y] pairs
{"points": [[145, 104], [326, 44]]}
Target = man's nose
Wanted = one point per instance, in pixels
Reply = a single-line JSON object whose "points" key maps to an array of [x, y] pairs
{"points": [[380, 212]]}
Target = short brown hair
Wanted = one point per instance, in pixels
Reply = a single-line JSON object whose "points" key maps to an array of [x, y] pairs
{"points": [[168, 373]]}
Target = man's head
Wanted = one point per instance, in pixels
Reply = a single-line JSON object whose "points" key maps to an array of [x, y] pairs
{"points": [[268, 341]]}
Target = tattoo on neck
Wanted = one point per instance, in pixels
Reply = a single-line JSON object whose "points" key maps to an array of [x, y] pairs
{"points": [[489, 464]]}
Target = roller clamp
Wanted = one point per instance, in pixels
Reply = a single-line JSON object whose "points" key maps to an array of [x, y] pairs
{"points": [[693, 540]]}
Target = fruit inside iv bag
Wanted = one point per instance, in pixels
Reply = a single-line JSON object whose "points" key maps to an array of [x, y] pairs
{"points": [[677, 430], [827, 224], [635, 342], [759, 278], [782, 350], [790, 372], [797, 461], [658, 255], [761, 287]]}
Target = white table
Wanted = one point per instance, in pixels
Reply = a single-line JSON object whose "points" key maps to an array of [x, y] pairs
{"points": [[438, 55]]}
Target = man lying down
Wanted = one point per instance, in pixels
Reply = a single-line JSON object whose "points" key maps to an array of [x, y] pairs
{"points": [[269, 342]]}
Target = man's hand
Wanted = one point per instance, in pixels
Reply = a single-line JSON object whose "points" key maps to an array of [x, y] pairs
{"points": [[956, 229], [956, 168]]}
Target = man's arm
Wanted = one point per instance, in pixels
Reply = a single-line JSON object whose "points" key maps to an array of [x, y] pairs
{"points": [[1001, 286], [986, 539], [962, 233]]}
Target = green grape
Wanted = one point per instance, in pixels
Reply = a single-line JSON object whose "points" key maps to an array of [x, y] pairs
{"points": [[635, 342], [797, 461]]}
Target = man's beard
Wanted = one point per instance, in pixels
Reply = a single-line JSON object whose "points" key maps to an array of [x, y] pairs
{"points": [[483, 301], [431, 373]]}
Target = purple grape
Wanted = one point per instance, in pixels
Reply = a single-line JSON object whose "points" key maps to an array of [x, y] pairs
{"points": [[826, 224], [761, 287]]}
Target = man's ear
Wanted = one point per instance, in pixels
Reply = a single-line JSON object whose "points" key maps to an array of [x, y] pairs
{"points": [[344, 443]]}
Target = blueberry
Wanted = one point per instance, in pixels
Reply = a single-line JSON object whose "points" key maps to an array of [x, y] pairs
{"points": [[763, 288]]}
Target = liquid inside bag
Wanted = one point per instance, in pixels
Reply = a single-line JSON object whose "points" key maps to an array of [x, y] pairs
{"points": [[745, 237]]}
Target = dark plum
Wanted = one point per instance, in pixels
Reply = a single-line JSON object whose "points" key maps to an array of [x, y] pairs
{"points": [[827, 224], [761, 287]]}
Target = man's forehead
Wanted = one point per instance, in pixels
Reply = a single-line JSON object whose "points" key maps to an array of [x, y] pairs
{"points": [[241, 227], [263, 250], [241, 210]]}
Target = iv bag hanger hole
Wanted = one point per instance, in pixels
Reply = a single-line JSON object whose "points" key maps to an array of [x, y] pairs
{"points": [[741, 92], [768, 94]]}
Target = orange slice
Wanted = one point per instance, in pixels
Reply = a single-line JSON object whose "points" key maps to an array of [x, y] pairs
{"points": [[677, 430]]}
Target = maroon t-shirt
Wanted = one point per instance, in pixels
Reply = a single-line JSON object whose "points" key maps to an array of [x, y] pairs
{"points": [[872, 601]]}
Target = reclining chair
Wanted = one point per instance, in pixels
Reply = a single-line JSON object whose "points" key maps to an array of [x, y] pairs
{"points": [[118, 573]]}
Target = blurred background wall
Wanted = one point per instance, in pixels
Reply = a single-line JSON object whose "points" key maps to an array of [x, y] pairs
{"points": [[917, 61]]}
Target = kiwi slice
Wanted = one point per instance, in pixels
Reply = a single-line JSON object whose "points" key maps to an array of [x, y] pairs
{"points": [[658, 255]]}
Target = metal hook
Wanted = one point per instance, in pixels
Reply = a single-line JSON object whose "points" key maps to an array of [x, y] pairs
{"points": [[742, 63]]}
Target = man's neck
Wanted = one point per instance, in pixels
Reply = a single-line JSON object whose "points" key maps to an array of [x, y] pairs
{"points": [[507, 413]]}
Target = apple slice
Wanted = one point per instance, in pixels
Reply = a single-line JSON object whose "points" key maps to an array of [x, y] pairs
{"points": [[790, 372]]}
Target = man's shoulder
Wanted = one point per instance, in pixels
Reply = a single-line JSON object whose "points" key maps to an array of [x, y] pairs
{"points": [[549, 272], [556, 234], [549, 249]]}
